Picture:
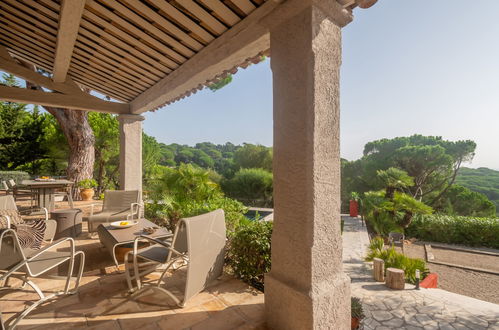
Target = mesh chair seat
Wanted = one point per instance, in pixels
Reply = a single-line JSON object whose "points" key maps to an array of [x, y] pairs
{"points": [[46, 261], [155, 252]]}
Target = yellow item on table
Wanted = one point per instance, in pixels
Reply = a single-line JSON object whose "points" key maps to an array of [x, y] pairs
{"points": [[123, 223]]}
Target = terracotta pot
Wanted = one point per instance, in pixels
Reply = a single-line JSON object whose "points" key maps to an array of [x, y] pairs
{"points": [[354, 208], [87, 194], [355, 323]]}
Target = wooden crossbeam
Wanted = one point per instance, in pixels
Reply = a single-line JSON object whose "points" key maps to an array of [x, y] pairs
{"points": [[69, 22], [66, 94], [77, 102]]}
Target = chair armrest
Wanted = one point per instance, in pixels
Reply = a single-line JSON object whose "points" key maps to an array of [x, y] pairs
{"points": [[92, 209], [8, 220]]}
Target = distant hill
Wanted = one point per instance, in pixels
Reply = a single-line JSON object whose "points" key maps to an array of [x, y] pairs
{"points": [[483, 180]]}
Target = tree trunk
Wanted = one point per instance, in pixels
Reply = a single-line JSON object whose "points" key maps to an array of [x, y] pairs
{"points": [[80, 136]]}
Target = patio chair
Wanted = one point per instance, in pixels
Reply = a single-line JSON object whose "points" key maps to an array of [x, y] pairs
{"points": [[198, 243], [10, 215], [4, 187], [396, 239], [118, 205], [23, 264], [19, 192]]}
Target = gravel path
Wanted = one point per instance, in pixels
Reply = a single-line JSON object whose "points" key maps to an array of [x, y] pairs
{"points": [[473, 284]]}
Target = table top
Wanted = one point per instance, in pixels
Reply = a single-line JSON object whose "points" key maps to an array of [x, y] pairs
{"points": [[55, 183], [126, 235]]}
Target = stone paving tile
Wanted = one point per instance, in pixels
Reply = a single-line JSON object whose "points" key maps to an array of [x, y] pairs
{"points": [[408, 309]]}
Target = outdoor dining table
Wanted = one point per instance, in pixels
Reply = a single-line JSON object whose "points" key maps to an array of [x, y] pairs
{"points": [[46, 190], [112, 237]]}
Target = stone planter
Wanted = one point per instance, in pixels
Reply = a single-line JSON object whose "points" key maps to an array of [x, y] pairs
{"points": [[87, 194]]}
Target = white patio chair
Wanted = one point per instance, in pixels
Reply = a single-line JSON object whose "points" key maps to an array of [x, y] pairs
{"points": [[16, 262], [198, 243]]}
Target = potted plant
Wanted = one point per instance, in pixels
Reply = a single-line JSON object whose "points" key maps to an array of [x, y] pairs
{"points": [[87, 189], [354, 204], [357, 312]]}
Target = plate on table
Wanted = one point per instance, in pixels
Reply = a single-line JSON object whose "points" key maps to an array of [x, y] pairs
{"points": [[124, 223], [44, 178]]}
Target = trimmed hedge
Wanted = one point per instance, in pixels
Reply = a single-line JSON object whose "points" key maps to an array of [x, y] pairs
{"points": [[456, 230], [17, 176], [249, 252]]}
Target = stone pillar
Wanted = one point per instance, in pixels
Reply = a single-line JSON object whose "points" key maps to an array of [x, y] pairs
{"points": [[130, 152], [307, 288]]}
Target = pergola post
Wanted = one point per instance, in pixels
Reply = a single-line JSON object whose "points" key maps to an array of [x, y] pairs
{"points": [[130, 152], [307, 288]]}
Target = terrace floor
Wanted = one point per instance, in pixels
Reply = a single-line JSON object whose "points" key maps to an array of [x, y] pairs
{"points": [[409, 308], [102, 301]]}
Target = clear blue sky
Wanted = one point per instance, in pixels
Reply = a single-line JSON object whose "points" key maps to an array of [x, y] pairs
{"points": [[426, 66]]}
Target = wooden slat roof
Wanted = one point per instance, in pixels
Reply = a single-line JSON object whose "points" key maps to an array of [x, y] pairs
{"points": [[123, 47]]}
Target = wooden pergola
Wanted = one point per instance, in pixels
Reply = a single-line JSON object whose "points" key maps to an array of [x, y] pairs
{"points": [[143, 54]]}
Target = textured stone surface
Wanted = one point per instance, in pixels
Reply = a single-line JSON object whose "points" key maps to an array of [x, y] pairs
{"points": [[408, 309], [306, 288], [130, 152]]}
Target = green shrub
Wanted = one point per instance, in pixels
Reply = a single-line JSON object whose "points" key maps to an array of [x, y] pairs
{"points": [[249, 252], [87, 184], [253, 186], [396, 260], [456, 230], [17, 176]]}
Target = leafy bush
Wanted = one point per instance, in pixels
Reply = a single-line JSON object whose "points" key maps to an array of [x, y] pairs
{"points": [[251, 185], [188, 191], [456, 230], [356, 308], [249, 252], [396, 260], [17, 176], [87, 184]]}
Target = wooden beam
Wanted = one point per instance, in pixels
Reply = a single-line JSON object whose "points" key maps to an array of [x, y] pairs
{"points": [[69, 23], [78, 102], [245, 40], [9, 65]]}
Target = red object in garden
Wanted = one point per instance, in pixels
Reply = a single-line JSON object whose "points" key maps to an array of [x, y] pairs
{"points": [[430, 282], [354, 208]]}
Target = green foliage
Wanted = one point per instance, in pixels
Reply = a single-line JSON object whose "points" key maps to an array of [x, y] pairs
{"points": [[188, 191], [251, 185], [17, 176], [394, 179], [354, 196], [221, 83], [253, 156], [459, 200], [394, 259], [481, 180], [430, 161], [87, 184], [249, 251], [356, 308], [456, 230]]}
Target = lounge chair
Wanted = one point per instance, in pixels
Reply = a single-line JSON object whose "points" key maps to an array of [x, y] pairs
{"points": [[4, 187], [198, 243], [22, 263], [118, 205], [10, 215]]}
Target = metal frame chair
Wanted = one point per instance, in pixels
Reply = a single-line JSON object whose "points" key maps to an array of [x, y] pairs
{"points": [[198, 243], [23, 264], [118, 205]]}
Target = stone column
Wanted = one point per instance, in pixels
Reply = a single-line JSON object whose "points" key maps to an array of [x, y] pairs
{"points": [[130, 152], [307, 288]]}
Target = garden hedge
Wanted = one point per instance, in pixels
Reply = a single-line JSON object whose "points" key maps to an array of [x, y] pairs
{"points": [[17, 176], [456, 230]]}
